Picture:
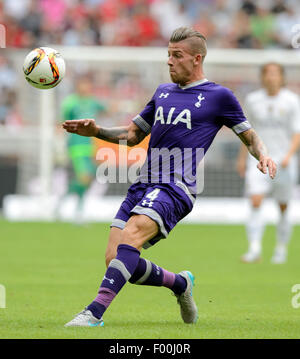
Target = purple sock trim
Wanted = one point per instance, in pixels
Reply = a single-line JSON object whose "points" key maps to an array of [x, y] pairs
{"points": [[168, 279], [105, 296]]}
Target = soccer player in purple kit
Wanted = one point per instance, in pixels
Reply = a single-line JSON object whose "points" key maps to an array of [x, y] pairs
{"points": [[185, 114]]}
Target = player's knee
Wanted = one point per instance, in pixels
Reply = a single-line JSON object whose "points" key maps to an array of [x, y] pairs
{"points": [[134, 232], [130, 235], [138, 230]]}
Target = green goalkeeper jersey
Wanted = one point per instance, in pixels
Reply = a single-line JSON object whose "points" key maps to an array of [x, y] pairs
{"points": [[76, 107]]}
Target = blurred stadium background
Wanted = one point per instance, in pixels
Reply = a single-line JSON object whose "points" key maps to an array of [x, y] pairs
{"points": [[122, 44]]}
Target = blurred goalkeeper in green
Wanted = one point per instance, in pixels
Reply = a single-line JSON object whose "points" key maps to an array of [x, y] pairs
{"points": [[81, 104]]}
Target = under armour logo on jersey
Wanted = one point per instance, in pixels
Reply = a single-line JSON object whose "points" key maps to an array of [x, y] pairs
{"points": [[200, 98], [111, 281], [164, 95]]}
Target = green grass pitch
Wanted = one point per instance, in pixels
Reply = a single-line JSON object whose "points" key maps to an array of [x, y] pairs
{"points": [[51, 271]]}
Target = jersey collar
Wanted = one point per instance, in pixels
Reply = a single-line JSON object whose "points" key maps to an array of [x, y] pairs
{"points": [[193, 84]]}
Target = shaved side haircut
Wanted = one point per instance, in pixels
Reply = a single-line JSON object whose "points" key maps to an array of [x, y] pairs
{"points": [[196, 40]]}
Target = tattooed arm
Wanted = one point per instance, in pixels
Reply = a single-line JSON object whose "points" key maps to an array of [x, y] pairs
{"points": [[87, 127], [258, 150]]}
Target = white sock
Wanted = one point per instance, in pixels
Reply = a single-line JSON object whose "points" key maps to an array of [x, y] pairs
{"points": [[284, 231], [255, 228]]}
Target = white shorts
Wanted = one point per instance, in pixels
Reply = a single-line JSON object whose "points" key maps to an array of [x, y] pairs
{"points": [[281, 187]]}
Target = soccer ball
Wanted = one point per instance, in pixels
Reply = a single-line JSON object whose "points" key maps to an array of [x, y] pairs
{"points": [[44, 68]]}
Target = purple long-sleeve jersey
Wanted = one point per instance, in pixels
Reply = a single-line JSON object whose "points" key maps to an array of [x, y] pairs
{"points": [[183, 121]]}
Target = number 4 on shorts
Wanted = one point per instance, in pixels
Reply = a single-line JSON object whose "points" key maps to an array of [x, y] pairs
{"points": [[152, 196]]}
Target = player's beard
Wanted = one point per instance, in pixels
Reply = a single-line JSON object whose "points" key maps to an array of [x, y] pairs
{"points": [[178, 79], [175, 78]]}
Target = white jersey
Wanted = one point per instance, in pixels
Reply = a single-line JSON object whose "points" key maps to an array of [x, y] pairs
{"points": [[275, 119]]}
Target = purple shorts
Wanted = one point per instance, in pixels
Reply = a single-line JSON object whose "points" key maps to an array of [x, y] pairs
{"points": [[166, 204]]}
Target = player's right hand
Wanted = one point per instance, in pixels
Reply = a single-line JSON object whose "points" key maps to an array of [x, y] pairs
{"points": [[85, 127]]}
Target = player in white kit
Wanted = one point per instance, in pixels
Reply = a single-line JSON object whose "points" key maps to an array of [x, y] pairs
{"points": [[274, 112]]}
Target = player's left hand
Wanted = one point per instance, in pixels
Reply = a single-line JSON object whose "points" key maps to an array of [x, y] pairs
{"points": [[84, 127], [265, 163]]}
